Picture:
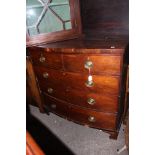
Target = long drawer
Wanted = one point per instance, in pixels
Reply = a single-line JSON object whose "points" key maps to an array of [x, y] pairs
{"points": [[98, 102], [61, 80], [80, 115]]}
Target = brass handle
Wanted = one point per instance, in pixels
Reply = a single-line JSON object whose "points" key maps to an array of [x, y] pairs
{"points": [[42, 59], [53, 106], [91, 119], [45, 75], [50, 90], [91, 101], [89, 83], [88, 64]]}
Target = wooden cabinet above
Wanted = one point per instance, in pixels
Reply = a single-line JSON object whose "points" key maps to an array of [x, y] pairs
{"points": [[52, 20]]}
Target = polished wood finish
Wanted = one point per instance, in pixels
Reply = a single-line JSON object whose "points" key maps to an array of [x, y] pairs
{"points": [[84, 45], [64, 34], [54, 61], [29, 95], [32, 148], [103, 102], [80, 115], [63, 75], [32, 84], [62, 80], [105, 64]]}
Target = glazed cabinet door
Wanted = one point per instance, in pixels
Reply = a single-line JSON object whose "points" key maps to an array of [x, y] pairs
{"points": [[52, 20]]}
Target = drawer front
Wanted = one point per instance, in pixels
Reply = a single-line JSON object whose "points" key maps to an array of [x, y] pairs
{"points": [[42, 58], [98, 64], [63, 80], [98, 102], [83, 116]]}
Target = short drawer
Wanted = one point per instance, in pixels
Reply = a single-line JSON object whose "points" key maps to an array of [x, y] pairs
{"points": [[43, 58], [97, 64], [62, 80], [94, 101], [80, 115]]}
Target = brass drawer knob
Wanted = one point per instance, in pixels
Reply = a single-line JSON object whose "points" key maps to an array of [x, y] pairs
{"points": [[91, 101], [89, 83], [45, 75], [42, 59], [53, 106], [91, 119], [50, 90], [88, 64]]}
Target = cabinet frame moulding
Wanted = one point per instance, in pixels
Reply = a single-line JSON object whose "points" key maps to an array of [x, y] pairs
{"points": [[75, 32]]}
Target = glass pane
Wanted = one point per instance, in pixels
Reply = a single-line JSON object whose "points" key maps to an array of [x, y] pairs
{"points": [[45, 1], [63, 11], [39, 19], [60, 1], [50, 23], [32, 3], [33, 31], [32, 15], [68, 25]]}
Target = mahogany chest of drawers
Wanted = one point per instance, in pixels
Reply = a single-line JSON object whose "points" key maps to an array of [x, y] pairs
{"points": [[82, 82]]}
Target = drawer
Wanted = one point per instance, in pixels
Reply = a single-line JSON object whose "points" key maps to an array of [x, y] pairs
{"points": [[43, 58], [98, 102], [98, 64], [62, 80], [79, 115]]}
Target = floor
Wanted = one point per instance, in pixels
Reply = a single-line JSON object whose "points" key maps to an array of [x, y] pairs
{"points": [[79, 139]]}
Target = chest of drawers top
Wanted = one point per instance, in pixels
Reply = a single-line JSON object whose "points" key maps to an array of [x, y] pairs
{"points": [[75, 44]]}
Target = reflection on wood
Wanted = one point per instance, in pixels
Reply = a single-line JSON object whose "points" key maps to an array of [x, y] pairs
{"points": [[32, 147]]}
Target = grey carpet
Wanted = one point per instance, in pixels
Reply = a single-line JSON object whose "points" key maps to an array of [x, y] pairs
{"points": [[79, 139]]}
